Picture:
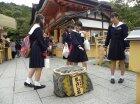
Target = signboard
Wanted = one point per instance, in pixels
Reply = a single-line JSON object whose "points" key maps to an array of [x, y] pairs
{"points": [[77, 85]]}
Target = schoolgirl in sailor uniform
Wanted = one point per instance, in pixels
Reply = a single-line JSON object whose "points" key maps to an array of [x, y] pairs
{"points": [[66, 37], [115, 39], [78, 53], [66, 40], [38, 46], [38, 50], [116, 42]]}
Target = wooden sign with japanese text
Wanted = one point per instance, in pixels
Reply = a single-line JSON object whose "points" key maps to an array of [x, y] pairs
{"points": [[77, 85]]}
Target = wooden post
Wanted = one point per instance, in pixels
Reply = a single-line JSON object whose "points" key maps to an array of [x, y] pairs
{"points": [[0, 56], [138, 89], [9, 53]]}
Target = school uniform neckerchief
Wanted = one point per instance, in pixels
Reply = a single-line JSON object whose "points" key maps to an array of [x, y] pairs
{"points": [[120, 23]]}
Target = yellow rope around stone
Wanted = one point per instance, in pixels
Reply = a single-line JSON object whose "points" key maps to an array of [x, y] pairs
{"points": [[85, 84], [67, 86]]}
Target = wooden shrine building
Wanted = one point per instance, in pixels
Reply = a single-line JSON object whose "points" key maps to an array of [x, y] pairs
{"points": [[93, 14]]}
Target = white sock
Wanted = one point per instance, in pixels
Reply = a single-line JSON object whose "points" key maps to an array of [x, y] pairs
{"points": [[37, 83], [122, 77], [29, 80], [112, 77]]}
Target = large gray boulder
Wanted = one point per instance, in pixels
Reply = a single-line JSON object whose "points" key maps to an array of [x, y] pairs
{"points": [[71, 81]]}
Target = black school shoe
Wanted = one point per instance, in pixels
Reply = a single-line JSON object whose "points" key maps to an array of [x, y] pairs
{"points": [[39, 87], [121, 80], [112, 81], [28, 85]]}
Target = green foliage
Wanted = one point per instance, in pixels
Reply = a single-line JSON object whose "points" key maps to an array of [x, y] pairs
{"points": [[22, 15], [129, 14]]}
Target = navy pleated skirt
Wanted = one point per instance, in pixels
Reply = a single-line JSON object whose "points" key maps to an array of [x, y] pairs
{"points": [[116, 50], [76, 55], [36, 60]]}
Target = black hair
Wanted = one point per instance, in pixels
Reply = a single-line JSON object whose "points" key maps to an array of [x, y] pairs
{"points": [[38, 19], [114, 14], [70, 26], [78, 23]]}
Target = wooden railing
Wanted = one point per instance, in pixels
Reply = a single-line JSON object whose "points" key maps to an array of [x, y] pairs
{"points": [[5, 53], [1, 53]]}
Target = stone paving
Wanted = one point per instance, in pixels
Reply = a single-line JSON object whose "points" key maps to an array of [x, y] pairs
{"points": [[13, 75]]}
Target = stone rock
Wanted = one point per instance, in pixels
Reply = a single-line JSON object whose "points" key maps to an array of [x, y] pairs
{"points": [[71, 81]]}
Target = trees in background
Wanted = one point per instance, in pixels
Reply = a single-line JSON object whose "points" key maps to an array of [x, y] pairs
{"points": [[22, 14], [129, 11]]}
